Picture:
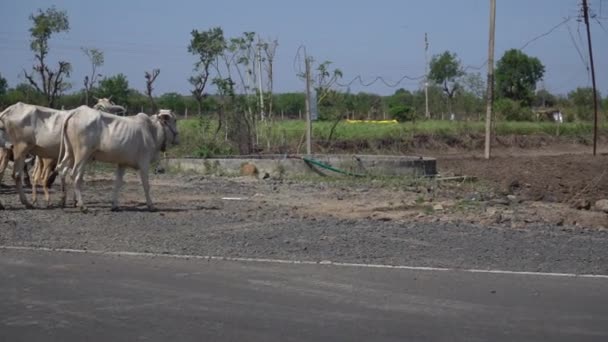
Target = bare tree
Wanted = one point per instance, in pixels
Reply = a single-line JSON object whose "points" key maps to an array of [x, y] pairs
{"points": [[50, 82], [324, 80], [270, 50], [150, 78], [96, 58]]}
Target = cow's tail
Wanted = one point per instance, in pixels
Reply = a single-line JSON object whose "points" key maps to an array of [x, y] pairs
{"points": [[64, 158]]}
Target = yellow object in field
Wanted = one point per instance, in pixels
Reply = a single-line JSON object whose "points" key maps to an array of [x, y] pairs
{"points": [[373, 121]]}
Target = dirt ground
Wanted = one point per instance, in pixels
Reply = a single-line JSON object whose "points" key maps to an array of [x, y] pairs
{"points": [[519, 214]]}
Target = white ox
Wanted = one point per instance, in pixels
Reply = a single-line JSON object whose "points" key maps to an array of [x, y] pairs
{"points": [[132, 142], [106, 105], [36, 130]]}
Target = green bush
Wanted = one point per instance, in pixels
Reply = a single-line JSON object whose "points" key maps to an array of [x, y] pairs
{"points": [[402, 113], [511, 110]]}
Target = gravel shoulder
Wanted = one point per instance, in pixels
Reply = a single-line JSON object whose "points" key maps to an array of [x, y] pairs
{"points": [[304, 220]]}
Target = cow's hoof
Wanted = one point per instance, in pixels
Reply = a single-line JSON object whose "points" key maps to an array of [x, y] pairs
{"points": [[115, 209], [29, 206], [1, 207]]}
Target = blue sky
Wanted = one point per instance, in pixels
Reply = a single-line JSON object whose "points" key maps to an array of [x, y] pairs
{"points": [[367, 38]]}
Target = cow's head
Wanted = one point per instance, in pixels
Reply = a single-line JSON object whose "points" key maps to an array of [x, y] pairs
{"points": [[103, 103], [169, 123]]}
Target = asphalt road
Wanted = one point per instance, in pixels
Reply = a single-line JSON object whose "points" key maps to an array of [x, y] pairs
{"points": [[56, 296]]}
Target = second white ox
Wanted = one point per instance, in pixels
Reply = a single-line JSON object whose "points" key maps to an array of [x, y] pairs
{"points": [[32, 129], [132, 142], [106, 105]]}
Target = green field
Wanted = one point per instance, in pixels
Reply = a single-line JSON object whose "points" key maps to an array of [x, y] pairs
{"points": [[196, 134]]}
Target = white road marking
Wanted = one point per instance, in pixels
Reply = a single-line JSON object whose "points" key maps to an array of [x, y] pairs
{"points": [[300, 262]]}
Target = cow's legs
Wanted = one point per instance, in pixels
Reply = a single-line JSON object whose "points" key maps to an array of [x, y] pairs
{"points": [[36, 175], [45, 177], [81, 157], [64, 194], [3, 162], [143, 174], [20, 152], [120, 172]]}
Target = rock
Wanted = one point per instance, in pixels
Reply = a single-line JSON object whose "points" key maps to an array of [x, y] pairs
{"points": [[437, 207], [602, 205], [513, 199], [249, 169], [581, 204]]}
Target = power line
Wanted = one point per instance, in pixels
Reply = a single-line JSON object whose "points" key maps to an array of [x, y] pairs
{"points": [[472, 67], [601, 25], [297, 60], [580, 53], [546, 33], [381, 79]]}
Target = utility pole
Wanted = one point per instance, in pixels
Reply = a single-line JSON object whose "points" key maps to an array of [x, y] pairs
{"points": [[490, 95], [426, 76], [586, 17], [307, 61], [262, 116]]}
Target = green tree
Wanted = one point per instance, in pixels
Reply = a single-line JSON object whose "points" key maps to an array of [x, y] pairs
{"points": [[3, 90], [3, 85], [582, 101], [208, 46], [512, 110], [290, 104], [543, 98], [116, 87], [96, 58], [137, 102], [70, 101], [45, 80], [400, 105], [173, 101], [446, 70], [437, 101], [517, 75], [23, 92]]}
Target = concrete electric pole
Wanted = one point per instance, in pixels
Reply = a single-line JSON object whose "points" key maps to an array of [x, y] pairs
{"points": [[308, 61], [427, 114]]}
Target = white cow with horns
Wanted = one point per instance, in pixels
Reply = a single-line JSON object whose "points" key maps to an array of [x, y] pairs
{"points": [[106, 105], [132, 142], [36, 130]]}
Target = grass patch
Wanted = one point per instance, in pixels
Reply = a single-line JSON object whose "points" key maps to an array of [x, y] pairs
{"points": [[199, 138]]}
